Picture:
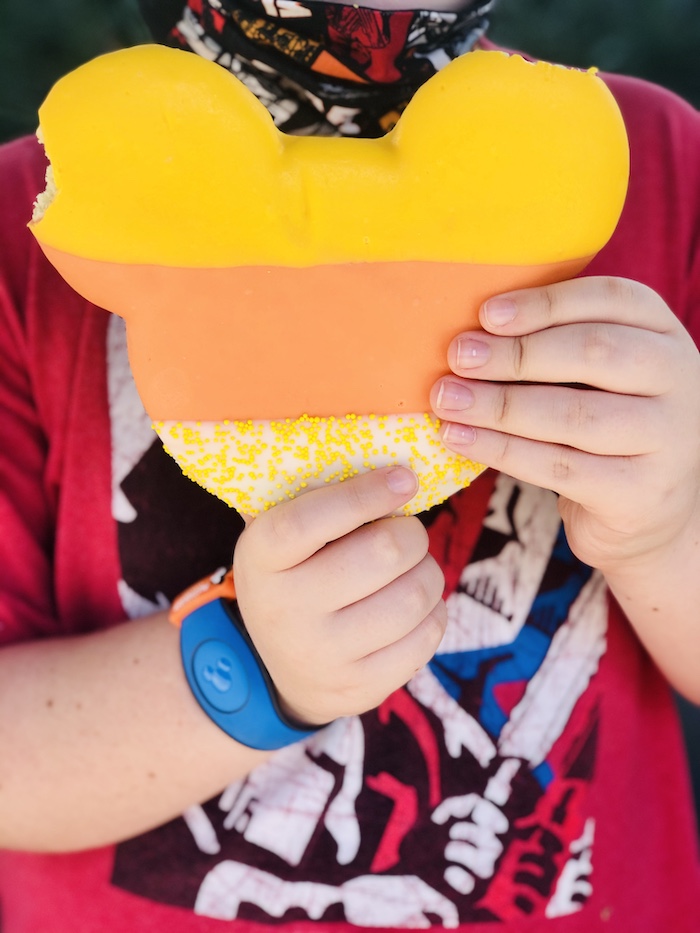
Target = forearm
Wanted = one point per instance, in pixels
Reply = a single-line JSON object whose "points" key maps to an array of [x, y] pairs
{"points": [[660, 595], [101, 739]]}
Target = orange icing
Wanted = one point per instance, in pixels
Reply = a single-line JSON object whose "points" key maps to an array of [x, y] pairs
{"points": [[258, 342]]}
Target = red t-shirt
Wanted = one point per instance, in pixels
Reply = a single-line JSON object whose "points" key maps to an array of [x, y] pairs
{"points": [[532, 775]]}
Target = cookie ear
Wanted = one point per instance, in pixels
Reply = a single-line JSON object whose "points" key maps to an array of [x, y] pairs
{"points": [[157, 133], [533, 153]]}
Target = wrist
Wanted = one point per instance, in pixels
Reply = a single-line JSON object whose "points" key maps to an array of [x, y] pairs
{"points": [[665, 549], [225, 673]]}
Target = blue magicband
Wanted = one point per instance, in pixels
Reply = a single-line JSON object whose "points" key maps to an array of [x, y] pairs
{"points": [[230, 681]]}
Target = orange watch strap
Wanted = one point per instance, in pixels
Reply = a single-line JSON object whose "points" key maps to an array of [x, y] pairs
{"points": [[217, 586]]}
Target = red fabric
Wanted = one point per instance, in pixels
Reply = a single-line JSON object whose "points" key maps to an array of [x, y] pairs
{"points": [[52, 422]]}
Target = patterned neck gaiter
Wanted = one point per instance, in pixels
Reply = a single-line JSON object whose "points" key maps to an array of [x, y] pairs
{"points": [[322, 68]]}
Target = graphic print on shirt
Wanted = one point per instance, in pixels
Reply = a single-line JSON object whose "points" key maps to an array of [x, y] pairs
{"points": [[171, 532], [462, 798]]}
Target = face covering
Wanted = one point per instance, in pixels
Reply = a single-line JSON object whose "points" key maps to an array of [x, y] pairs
{"points": [[319, 67]]}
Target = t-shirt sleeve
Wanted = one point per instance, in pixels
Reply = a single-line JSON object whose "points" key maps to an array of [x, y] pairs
{"points": [[26, 598], [680, 132], [690, 149], [661, 221]]}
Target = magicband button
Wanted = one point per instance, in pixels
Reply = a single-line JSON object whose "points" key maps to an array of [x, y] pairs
{"points": [[220, 676]]}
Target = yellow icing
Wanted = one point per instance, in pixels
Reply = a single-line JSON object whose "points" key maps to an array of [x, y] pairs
{"points": [[162, 157]]}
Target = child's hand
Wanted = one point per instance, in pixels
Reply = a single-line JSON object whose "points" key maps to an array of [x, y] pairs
{"points": [[343, 604], [623, 448]]}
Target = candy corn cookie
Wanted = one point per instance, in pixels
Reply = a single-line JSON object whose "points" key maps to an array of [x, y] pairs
{"points": [[289, 300]]}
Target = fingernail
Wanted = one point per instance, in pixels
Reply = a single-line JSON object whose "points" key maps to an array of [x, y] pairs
{"points": [[471, 352], [401, 480], [453, 396], [459, 435], [500, 311]]}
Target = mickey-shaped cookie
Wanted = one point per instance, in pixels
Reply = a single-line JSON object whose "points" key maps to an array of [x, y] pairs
{"points": [[289, 300]]}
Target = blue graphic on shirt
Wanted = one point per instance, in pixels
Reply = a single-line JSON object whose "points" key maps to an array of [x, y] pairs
{"points": [[519, 660]]}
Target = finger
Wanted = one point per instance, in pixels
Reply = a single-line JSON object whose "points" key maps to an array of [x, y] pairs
{"points": [[291, 532], [590, 298], [404, 658], [363, 562], [613, 357], [390, 614], [572, 473], [588, 420]]}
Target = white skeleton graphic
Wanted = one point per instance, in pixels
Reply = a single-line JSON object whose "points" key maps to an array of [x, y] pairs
{"points": [[132, 435], [370, 900], [574, 879]]}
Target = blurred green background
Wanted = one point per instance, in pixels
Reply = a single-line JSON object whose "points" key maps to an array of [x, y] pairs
{"points": [[41, 41], [655, 39]]}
